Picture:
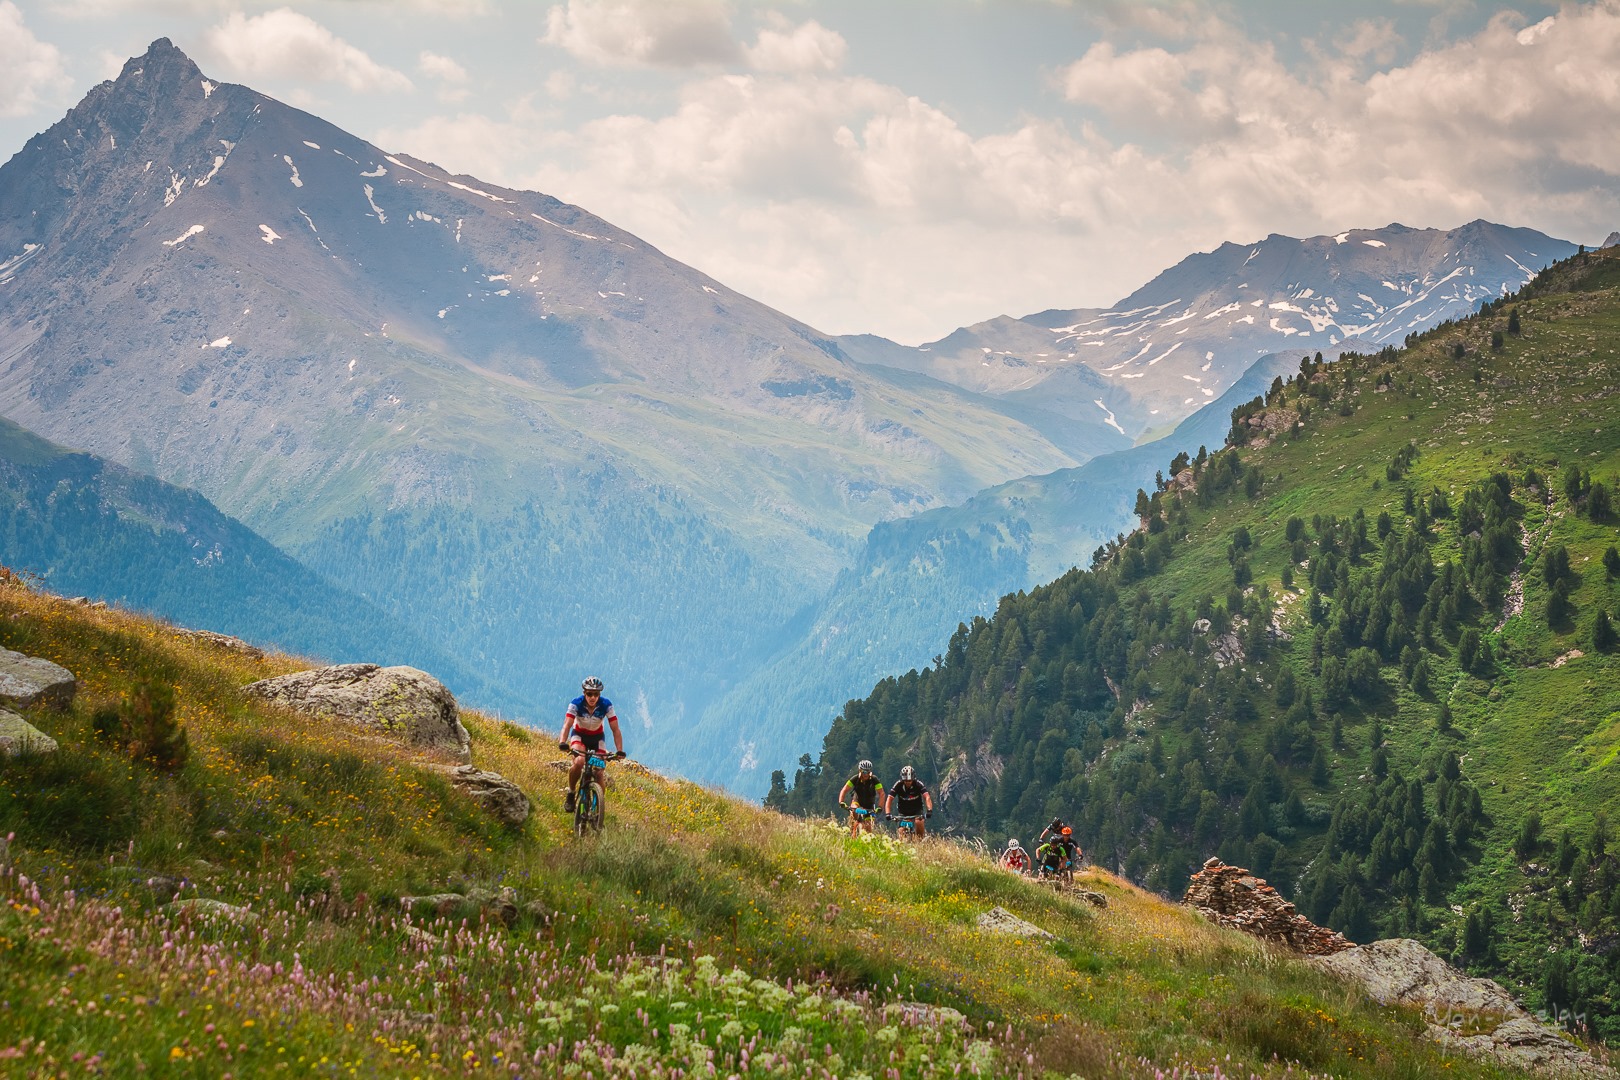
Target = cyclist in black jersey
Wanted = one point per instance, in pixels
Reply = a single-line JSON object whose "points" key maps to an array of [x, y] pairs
{"points": [[864, 790], [912, 798]]}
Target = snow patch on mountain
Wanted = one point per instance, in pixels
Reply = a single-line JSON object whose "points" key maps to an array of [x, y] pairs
{"points": [[183, 237], [296, 180], [476, 191], [270, 236]]}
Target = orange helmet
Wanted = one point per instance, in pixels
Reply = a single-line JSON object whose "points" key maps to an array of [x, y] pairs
{"points": [[1067, 831]]}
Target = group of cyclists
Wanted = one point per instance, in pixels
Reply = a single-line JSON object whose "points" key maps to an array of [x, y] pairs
{"points": [[863, 792], [590, 716], [1057, 854]]}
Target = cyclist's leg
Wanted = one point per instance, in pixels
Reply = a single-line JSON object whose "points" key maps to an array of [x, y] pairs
{"points": [[922, 830]]}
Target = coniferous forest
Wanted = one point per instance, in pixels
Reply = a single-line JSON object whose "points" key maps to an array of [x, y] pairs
{"points": [[1365, 649]]}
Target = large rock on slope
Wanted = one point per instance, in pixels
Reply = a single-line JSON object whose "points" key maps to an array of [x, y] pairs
{"points": [[18, 736], [27, 681], [494, 793], [1234, 898], [400, 702], [1403, 972]]}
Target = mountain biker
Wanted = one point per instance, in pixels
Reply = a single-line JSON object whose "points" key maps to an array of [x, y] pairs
{"points": [[864, 789], [913, 797], [1015, 858], [1071, 851], [1050, 858], [583, 731], [1054, 829]]}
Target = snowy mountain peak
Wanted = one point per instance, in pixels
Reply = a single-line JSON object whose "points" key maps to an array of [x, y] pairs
{"points": [[1186, 336]]}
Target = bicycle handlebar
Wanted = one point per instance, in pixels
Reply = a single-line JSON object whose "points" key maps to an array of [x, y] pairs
{"points": [[617, 755]]}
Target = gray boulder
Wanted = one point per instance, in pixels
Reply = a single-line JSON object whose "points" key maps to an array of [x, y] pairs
{"points": [[999, 920], [201, 907], [1475, 1015], [27, 681], [493, 792], [18, 736], [400, 702], [222, 641]]}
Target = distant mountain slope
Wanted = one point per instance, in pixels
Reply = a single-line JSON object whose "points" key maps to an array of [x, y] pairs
{"points": [[487, 411], [85, 526], [1369, 650], [1183, 338], [917, 578]]}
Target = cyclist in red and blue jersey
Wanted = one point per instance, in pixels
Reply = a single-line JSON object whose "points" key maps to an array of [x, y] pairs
{"points": [[583, 730]]}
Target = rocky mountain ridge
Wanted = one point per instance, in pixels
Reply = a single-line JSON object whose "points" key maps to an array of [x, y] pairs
{"points": [[1185, 337]]}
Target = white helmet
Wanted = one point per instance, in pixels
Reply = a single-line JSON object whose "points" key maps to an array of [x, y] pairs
{"points": [[1013, 842], [864, 766], [591, 683], [907, 773]]}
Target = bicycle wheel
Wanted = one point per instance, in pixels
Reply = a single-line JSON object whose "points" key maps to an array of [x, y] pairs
{"points": [[582, 809], [598, 806]]}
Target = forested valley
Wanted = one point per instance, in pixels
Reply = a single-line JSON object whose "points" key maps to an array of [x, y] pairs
{"points": [[1366, 649]]}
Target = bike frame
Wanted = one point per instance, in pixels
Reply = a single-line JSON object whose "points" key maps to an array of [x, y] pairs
{"points": [[590, 799], [861, 818]]}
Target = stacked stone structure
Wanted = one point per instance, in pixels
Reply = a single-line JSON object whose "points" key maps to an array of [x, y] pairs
{"points": [[1230, 896]]}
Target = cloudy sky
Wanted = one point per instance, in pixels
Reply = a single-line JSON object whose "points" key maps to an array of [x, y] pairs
{"points": [[908, 166]]}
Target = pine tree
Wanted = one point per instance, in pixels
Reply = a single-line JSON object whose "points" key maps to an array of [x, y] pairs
{"points": [[1603, 636], [1529, 838]]}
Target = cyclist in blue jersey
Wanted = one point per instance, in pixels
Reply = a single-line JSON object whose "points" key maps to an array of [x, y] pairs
{"points": [[583, 730]]}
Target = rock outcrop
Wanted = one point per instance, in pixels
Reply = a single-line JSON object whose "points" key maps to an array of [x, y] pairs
{"points": [[222, 641], [400, 702], [493, 792], [1232, 897], [18, 736], [27, 681], [1001, 921], [1475, 1015], [201, 907]]}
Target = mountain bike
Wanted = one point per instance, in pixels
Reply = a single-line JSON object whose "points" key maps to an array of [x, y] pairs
{"points": [[906, 825], [590, 803], [860, 818]]}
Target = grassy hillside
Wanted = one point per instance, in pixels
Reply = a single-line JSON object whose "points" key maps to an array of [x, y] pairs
{"points": [[1362, 650], [696, 932]]}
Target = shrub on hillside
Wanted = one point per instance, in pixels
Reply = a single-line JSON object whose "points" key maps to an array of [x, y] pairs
{"points": [[144, 725]]}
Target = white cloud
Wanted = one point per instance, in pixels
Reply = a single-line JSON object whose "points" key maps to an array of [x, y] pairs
{"points": [[655, 33], [441, 67], [31, 71], [560, 85], [807, 47], [289, 44], [858, 207], [452, 77]]}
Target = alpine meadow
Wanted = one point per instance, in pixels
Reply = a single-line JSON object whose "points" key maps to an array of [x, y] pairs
{"points": [[1065, 540]]}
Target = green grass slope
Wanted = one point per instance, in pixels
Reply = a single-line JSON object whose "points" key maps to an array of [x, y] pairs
{"points": [[1404, 706], [697, 936]]}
